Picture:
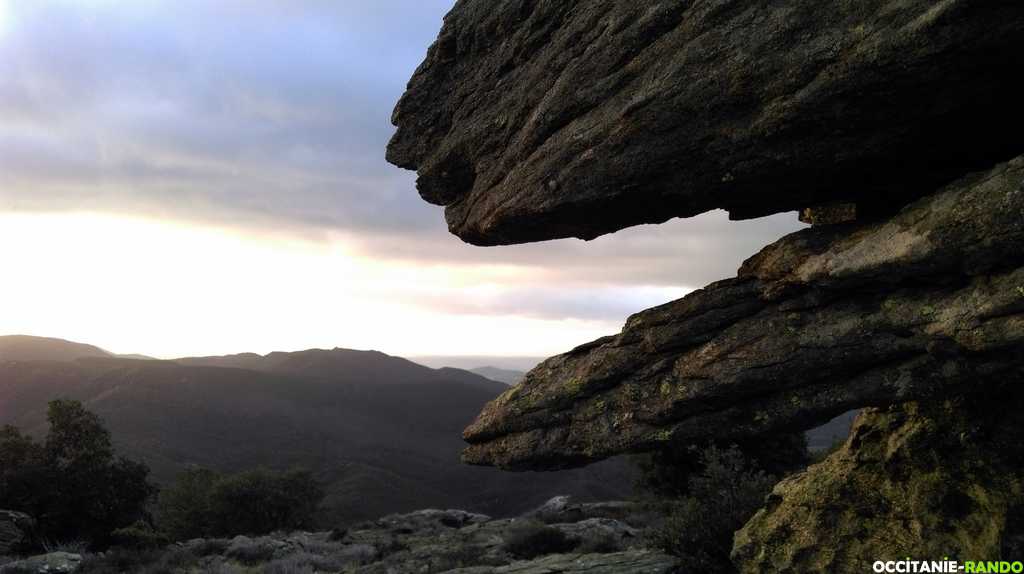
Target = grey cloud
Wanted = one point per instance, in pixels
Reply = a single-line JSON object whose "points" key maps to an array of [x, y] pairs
{"points": [[276, 114]]}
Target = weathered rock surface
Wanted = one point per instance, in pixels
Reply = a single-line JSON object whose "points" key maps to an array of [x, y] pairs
{"points": [[823, 321], [632, 561], [563, 509], [436, 541], [534, 120], [52, 563], [930, 479], [15, 528]]}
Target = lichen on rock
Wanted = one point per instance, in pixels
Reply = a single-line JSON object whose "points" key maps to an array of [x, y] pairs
{"points": [[925, 479]]}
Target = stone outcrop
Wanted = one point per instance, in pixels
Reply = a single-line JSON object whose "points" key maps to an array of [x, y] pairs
{"points": [[440, 541], [825, 320], [52, 563], [15, 529], [892, 128], [930, 479], [539, 119]]}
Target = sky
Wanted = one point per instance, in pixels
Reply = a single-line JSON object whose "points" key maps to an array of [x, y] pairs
{"points": [[198, 177]]}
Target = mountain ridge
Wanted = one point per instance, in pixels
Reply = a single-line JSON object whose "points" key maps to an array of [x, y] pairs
{"points": [[382, 432]]}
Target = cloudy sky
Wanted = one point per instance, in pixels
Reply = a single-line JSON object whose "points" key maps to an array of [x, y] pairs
{"points": [[190, 177]]}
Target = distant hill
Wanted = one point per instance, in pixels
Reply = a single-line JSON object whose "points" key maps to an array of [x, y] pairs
{"points": [[507, 376], [469, 362], [382, 432], [136, 357], [25, 348], [344, 364]]}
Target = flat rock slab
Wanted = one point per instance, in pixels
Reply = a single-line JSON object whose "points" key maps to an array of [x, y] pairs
{"points": [[540, 119], [821, 322]]}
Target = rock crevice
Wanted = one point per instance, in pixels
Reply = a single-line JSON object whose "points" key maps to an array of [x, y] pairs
{"points": [[823, 321]]}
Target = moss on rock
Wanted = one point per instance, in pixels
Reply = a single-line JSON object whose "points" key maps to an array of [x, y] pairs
{"points": [[924, 479]]}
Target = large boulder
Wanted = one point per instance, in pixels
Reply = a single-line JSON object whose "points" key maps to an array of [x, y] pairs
{"points": [[540, 119], [927, 480], [825, 320], [15, 529]]}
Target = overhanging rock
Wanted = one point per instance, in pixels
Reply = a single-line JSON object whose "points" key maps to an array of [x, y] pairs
{"points": [[540, 119], [822, 321]]}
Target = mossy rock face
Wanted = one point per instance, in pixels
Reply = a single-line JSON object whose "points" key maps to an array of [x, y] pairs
{"points": [[925, 480]]}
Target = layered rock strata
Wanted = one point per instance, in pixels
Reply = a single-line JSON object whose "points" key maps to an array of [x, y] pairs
{"points": [[823, 321], [538, 119], [892, 126]]}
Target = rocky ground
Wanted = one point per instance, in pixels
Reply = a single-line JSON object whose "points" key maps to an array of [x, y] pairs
{"points": [[561, 536]]}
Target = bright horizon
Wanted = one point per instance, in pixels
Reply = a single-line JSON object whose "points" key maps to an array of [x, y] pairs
{"points": [[191, 178]]}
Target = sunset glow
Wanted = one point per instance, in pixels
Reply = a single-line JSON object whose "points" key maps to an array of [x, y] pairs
{"points": [[136, 285], [198, 178]]}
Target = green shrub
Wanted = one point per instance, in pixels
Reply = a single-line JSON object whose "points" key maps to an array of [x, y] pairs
{"points": [[262, 501], [530, 539], [699, 528], [139, 535], [210, 547], [72, 483], [667, 473], [203, 503], [185, 509]]}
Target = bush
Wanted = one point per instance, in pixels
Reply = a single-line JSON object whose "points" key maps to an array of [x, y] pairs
{"points": [[530, 539], [72, 484], [119, 560], [210, 547], [262, 501], [722, 497], [667, 473], [185, 509], [139, 535], [203, 503]]}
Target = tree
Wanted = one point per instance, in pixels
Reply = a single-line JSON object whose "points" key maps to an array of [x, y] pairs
{"points": [[185, 509], [261, 501], [202, 503], [22, 470], [667, 473], [73, 484], [721, 498]]}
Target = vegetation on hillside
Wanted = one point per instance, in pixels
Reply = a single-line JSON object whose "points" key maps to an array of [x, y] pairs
{"points": [[203, 503], [709, 493], [80, 492], [72, 483]]}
